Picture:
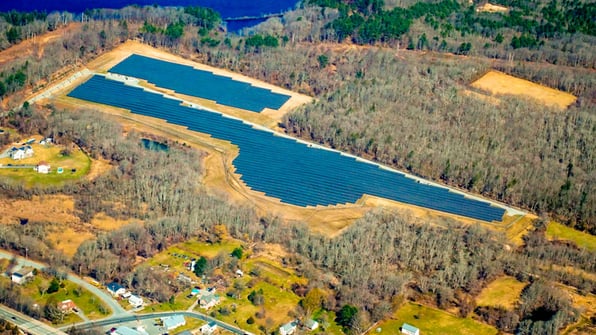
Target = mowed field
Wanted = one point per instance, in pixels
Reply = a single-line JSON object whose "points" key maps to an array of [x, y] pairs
{"points": [[431, 321], [498, 83], [557, 231]]}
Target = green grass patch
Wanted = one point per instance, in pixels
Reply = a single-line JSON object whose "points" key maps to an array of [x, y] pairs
{"points": [[432, 321], [88, 303], [557, 231], [327, 324], [76, 160], [273, 272], [504, 292], [277, 304], [181, 302], [173, 256]]}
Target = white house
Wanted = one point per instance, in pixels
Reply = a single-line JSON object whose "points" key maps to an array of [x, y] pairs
{"points": [[115, 289], [174, 321], [208, 300], [311, 324], [22, 275], [21, 152], [123, 330], [208, 328], [43, 167], [409, 329], [135, 301], [288, 328]]}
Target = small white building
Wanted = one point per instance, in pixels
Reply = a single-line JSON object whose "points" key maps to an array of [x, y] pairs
{"points": [[311, 324], [208, 328], [43, 167], [22, 275], [135, 301], [123, 330], [115, 289], [409, 329], [288, 329]]}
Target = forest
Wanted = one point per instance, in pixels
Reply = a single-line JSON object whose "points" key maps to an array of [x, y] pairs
{"points": [[404, 108]]}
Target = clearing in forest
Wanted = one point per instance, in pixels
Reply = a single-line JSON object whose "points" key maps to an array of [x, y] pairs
{"points": [[490, 8], [431, 321], [503, 292], [499, 83], [557, 231], [66, 163], [58, 209]]}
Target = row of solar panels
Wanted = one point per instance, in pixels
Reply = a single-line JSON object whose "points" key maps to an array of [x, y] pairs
{"points": [[203, 84], [284, 168]]}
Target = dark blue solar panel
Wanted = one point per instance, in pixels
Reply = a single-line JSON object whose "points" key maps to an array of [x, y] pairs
{"points": [[284, 168], [203, 84]]}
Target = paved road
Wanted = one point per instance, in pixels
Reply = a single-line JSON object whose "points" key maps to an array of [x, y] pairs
{"points": [[112, 304], [129, 318], [27, 323]]}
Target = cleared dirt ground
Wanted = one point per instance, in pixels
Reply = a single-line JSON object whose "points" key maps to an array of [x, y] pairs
{"points": [[498, 83]]}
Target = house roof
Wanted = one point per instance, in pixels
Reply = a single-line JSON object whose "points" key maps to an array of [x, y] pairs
{"points": [[173, 321], [22, 272], [123, 330], [207, 298], [288, 326], [310, 323], [409, 328], [113, 286], [67, 304]]}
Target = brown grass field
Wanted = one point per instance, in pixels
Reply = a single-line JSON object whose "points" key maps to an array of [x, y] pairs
{"points": [[498, 83], [220, 178], [504, 292], [490, 8], [57, 209]]}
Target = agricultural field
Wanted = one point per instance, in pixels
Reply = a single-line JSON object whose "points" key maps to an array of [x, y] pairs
{"points": [[73, 162], [498, 83], [503, 292], [92, 307], [557, 231], [431, 321]]}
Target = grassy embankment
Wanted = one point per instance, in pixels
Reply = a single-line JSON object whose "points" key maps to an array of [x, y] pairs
{"points": [[504, 292]]}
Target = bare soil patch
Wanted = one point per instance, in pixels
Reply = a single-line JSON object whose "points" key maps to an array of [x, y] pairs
{"points": [[498, 83], [490, 8]]}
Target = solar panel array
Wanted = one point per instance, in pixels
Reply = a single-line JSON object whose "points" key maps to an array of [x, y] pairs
{"points": [[203, 84], [285, 168]]}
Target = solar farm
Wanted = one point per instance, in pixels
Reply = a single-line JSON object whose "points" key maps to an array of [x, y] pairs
{"points": [[294, 172], [199, 83]]}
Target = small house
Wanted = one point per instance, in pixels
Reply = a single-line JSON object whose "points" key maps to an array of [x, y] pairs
{"points": [[21, 276], [311, 324], [409, 329], [208, 300], [67, 306], [115, 289], [43, 167], [208, 328], [174, 321], [123, 330], [135, 301], [239, 273], [20, 153], [288, 328]]}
